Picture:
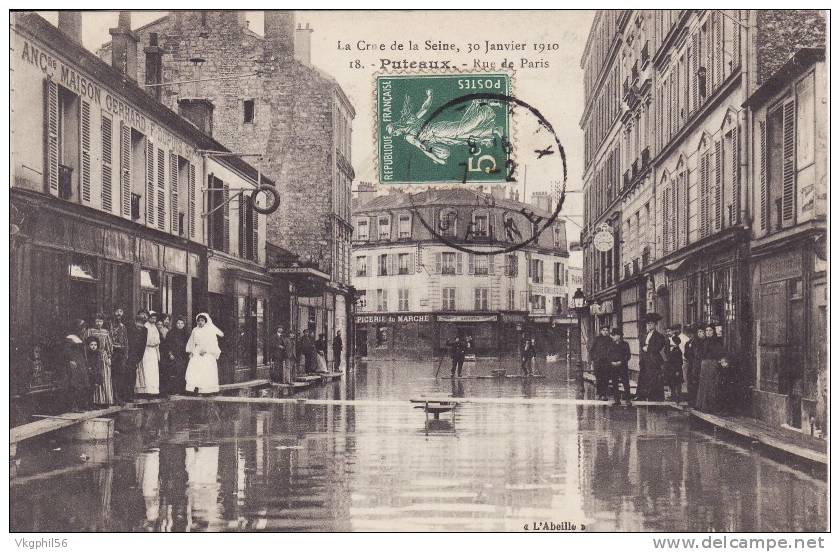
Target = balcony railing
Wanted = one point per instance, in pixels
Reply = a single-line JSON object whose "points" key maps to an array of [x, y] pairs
{"points": [[447, 270]]}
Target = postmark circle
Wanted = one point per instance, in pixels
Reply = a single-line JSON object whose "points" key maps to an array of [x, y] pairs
{"points": [[537, 222]]}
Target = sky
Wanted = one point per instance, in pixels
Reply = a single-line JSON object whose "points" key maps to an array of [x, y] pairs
{"points": [[557, 91]]}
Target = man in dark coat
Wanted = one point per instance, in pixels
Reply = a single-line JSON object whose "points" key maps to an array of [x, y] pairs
{"points": [[693, 356], [598, 354], [652, 348], [306, 347], [121, 374], [337, 347], [457, 350], [136, 348], [618, 356]]}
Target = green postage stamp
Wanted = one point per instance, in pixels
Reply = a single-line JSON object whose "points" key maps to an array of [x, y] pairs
{"points": [[466, 142]]}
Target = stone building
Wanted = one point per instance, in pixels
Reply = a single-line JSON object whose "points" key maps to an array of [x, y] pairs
{"points": [[668, 156], [268, 99], [417, 293], [107, 207]]}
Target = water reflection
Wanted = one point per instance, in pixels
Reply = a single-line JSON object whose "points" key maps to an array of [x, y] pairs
{"points": [[232, 467]]}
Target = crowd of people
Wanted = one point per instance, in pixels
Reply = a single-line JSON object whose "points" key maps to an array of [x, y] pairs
{"points": [[112, 362], [287, 355], [690, 355]]}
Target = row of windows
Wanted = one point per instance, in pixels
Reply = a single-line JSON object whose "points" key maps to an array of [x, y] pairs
{"points": [[708, 58], [380, 228], [137, 180], [452, 263], [480, 302], [604, 186]]}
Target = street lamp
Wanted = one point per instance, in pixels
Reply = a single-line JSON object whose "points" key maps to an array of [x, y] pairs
{"points": [[579, 302]]}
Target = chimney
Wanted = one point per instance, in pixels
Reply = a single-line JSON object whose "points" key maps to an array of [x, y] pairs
{"points": [[154, 66], [279, 32], [70, 23], [497, 191], [303, 44], [366, 192], [198, 111], [124, 47]]}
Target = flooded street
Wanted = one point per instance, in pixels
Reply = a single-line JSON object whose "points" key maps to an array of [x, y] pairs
{"points": [[378, 464]]}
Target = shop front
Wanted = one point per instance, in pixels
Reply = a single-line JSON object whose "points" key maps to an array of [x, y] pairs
{"points": [[68, 262], [555, 335], [789, 290], [395, 335], [238, 302]]}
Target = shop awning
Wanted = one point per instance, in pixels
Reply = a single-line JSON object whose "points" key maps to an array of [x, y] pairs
{"points": [[309, 281]]}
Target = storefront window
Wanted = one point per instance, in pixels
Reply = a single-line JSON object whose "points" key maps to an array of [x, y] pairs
{"points": [[261, 331], [150, 290]]}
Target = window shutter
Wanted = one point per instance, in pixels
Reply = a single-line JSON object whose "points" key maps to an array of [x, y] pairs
{"points": [[471, 265], [125, 169], [243, 251], [51, 122], [226, 217], [161, 191], [694, 55], [392, 263], [412, 266], [459, 263], [717, 40], [762, 172], [84, 175], [150, 183], [683, 207], [437, 263], [107, 160], [254, 219], [491, 261], [191, 203], [664, 228], [704, 195], [173, 193], [668, 220], [788, 164], [735, 203], [718, 193]]}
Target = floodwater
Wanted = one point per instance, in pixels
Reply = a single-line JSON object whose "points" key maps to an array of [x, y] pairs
{"points": [[378, 464]]}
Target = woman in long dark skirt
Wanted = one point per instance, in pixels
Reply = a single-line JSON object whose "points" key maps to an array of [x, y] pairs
{"points": [[708, 390], [77, 378], [173, 351]]}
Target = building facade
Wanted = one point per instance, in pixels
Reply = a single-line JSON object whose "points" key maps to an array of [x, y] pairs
{"points": [[416, 293], [788, 263], [668, 171], [107, 203], [269, 100]]}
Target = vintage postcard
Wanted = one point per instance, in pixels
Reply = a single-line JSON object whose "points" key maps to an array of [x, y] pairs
{"points": [[427, 271]]}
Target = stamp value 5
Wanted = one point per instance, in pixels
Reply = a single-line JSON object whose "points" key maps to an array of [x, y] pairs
{"points": [[417, 143]]}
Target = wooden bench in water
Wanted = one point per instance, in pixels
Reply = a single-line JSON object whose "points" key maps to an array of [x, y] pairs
{"points": [[435, 407]]}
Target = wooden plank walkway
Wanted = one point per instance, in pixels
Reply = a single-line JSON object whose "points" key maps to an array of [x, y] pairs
{"points": [[54, 423], [244, 384], [801, 446]]}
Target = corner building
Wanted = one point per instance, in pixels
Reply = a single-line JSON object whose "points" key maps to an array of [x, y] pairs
{"points": [[417, 293], [268, 99]]}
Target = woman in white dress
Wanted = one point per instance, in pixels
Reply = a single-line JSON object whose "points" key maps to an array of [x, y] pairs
{"points": [[203, 347]]}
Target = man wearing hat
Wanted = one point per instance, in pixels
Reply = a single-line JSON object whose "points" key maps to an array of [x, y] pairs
{"points": [[693, 356], [652, 346], [618, 356]]}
